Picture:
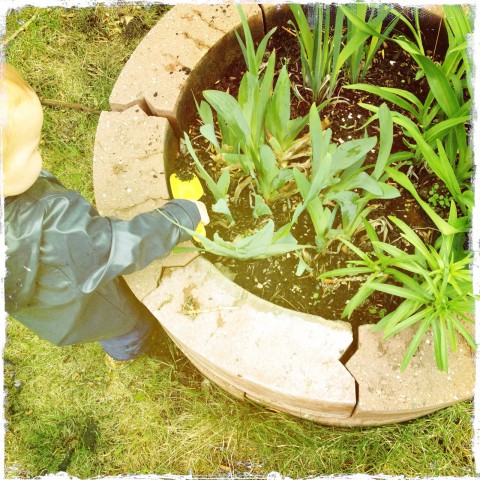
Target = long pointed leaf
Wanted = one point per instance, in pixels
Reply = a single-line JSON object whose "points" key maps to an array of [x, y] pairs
{"points": [[386, 140], [402, 98], [412, 348], [404, 181]]}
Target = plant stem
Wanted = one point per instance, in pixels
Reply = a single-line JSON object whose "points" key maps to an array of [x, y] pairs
{"points": [[20, 30]]}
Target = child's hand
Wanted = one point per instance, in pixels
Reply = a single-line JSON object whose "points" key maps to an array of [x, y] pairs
{"points": [[204, 218]]}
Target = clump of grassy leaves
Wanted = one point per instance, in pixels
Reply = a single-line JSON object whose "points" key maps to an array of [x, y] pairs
{"points": [[65, 410]]}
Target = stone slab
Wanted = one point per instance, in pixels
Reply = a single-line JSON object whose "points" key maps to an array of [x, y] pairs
{"points": [[269, 394], [268, 402], [148, 279], [387, 395], [210, 375], [145, 281], [295, 408], [129, 179], [262, 349], [159, 69], [128, 167]]}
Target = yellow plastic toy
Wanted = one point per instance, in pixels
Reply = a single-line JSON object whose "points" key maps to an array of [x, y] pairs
{"points": [[190, 189]]}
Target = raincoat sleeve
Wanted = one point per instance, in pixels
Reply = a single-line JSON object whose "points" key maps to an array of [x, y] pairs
{"points": [[95, 249]]}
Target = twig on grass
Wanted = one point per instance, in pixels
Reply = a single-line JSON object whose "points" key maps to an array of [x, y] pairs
{"points": [[20, 30], [76, 106]]}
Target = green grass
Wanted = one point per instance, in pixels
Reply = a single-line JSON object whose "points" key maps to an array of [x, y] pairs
{"points": [[67, 411]]}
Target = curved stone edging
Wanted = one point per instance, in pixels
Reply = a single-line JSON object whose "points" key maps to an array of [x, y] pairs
{"points": [[270, 353], [251, 348]]}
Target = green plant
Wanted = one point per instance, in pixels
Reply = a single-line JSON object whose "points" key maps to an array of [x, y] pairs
{"points": [[455, 226], [415, 29], [241, 126], [438, 161], [459, 25], [338, 174], [321, 54], [375, 311], [434, 281], [371, 267], [253, 58], [447, 89], [437, 198], [219, 189], [255, 132], [319, 51], [442, 116], [261, 244], [440, 165], [423, 113], [438, 296], [363, 37], [281, 131]]}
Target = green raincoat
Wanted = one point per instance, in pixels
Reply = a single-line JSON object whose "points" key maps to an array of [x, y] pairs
{"points": [[64, 261]]}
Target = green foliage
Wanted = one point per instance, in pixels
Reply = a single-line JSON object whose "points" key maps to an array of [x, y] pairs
{"points": [[415, 30], [437, 159], [339, 182], [442, 117], [322, 56], [435, 283], [319, 51], [219, 189], [281, 131], [438, 296], [459, 24], [374, 266], [445, 228], [363, 37], [437, 198], [256, 133], [261, 244], [253, 58]]}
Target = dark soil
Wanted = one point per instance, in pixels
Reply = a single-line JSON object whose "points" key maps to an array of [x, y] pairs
{"points": [[274, 278]]}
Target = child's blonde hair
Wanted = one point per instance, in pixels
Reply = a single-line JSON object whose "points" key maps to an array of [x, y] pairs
{"points": [[21, 129]]}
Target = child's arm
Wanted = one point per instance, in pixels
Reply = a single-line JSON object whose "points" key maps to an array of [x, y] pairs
{"points": [[95, 249]]}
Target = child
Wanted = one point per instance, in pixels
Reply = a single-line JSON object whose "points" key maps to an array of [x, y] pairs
{"points": [[65, 261]]}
